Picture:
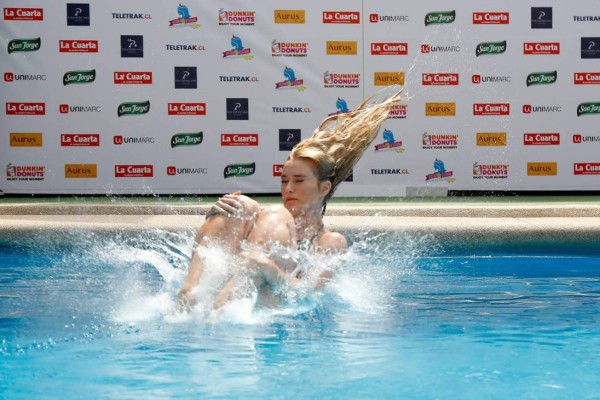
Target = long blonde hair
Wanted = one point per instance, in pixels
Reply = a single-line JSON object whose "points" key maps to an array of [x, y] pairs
{"points": [[341, 139]]}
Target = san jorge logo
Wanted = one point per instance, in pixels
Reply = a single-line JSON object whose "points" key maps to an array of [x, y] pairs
{"points": [[24, 45], [73, 77], [290, 82], [235, 170], [134, 108], [238, 50], [490, 48], [389, 143], [186, 139], [588, 109], [185, 19], [440, 17], [541, 78]]}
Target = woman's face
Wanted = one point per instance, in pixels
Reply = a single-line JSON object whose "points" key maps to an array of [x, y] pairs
{"points": [[300, 187]]}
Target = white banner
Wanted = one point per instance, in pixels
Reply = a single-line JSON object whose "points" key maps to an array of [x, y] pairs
{"points": [[205, 97]]}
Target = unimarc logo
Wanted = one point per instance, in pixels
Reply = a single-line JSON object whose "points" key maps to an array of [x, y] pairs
{"points": [[72, 77], [487, 48], [541, 78], [588, 109], [233, 170], [186, 139], [21, 45], [440, 17], [137, 108]]}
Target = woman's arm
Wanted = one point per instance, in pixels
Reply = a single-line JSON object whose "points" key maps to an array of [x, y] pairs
{"points": [[329, 243]]}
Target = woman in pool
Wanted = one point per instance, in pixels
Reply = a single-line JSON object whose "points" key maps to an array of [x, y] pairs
{"points": [[312, 172]]}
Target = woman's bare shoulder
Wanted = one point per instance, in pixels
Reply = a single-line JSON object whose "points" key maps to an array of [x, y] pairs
{"points": [[332, 241]]}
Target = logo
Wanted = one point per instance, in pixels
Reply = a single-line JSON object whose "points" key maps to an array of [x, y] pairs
{"points": [[577, 138], [237, 78], [172, 171], [590, 47], [84, 171], [236, 18], [289, 16], [435, 79], [25, 108], [384, 171], [341, 105], [288, 138], [235, 170], [237, 109], [131, 16], [490, 171], [289, 49], [79, 139], [586, 78], [477, 79], [119, 140], [185, 19], [388, 78], [491, 109], [335, 80], [238, 51], [541, 139], [534, 48], [439, 141], [488, 48], [24, 45], [277, 169], [338, 48], [65, 109], [541, 17], [185, 47], [389, 49], [23, 14], [11, 77], [398, 111], [427, 48], [25, 172], [74, 77], [491, 139], [341, 17], [26, 139], [586, 169], [440, 174], [528, 109], [186, 108], [542, 169], [134, 108], [586, 18], [132, 78], [186, 78], [440, 109], [491, 18], [290, 82], [375, 18], [291, 109], [134, 171], [78, 46], [132, 46], [440, 17], [389, 143], [239, 139], [541, 78], [588, 109], [186, 139], [78, 14]]}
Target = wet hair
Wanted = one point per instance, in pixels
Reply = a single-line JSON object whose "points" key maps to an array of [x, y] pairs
{"points": [[341, 139]]}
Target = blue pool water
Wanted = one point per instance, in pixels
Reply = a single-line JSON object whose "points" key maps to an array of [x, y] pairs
{"points": [[93, 315]]}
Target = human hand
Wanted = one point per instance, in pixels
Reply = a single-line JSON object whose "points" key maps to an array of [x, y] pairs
{"points": [[228, 205]]}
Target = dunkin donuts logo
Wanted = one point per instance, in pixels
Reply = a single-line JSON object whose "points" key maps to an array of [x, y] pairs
{"points": [[289, 49], [23, 14], [236, 18], [25, 172], [439, 141], [341, 17], [186, 108], [341, 80], [78, 46], [490, 171]]}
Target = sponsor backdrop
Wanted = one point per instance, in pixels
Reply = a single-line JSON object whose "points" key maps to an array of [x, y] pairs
{"points": [[210, 96]]}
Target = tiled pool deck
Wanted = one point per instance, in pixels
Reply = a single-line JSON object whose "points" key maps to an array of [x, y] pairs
{"points": [[570, 218]]}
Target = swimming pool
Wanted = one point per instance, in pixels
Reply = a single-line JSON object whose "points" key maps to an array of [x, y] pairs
{"points": [[91, 314]]}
